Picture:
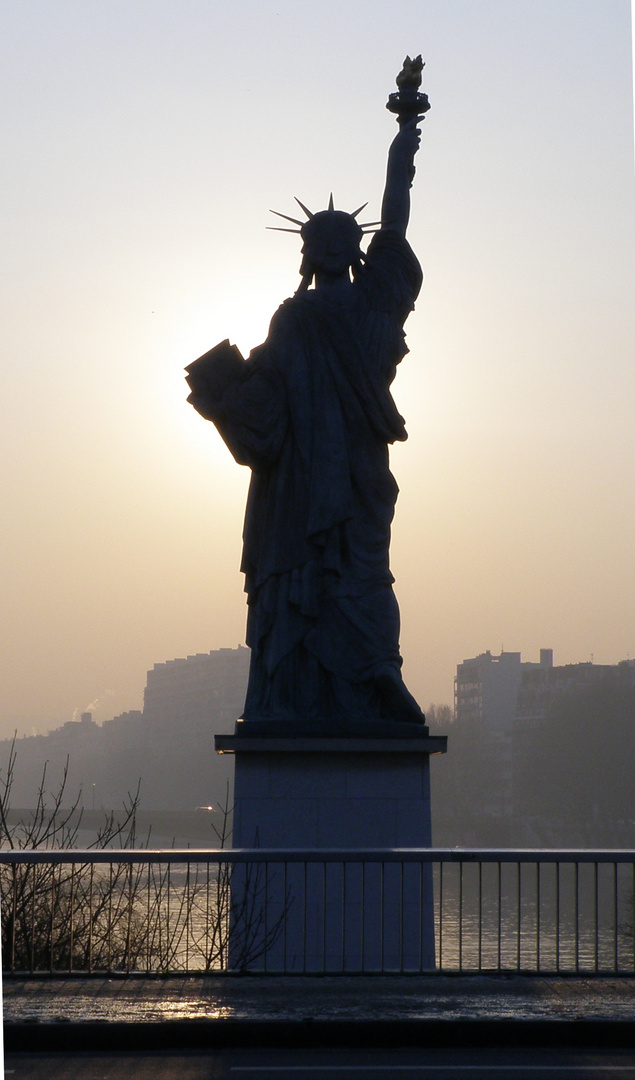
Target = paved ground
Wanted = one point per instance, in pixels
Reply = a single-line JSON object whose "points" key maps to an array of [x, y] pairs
{"points": [[268, 1028], [326, 998]]}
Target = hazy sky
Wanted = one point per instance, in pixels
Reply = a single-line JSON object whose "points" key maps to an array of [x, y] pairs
{"points": [[144, 142]]}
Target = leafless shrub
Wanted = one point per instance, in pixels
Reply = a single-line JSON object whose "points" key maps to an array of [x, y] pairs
{"points": [[123, 917]]}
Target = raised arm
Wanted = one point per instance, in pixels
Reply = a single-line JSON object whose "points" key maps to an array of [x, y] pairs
{"points": [[395, 207]]}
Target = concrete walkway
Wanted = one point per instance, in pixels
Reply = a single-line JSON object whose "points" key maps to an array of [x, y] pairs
{"points": [[450, 997], [329, 1010]]}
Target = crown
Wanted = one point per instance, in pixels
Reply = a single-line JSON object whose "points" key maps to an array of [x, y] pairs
{"points": [[367, 226]]}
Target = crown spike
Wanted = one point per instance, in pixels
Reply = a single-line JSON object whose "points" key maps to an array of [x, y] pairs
{"points": [[308, 212], [331, 207], [278, 228], [286, 217], [359, 209], [366, 224]]}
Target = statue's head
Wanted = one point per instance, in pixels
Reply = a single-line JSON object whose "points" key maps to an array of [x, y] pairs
{"points": [[331, 241]]}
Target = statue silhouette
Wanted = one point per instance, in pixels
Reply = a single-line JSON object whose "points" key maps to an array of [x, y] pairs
{"points": [[310, 412]]}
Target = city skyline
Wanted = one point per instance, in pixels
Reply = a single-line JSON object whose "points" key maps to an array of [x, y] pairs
{"points": [[136, 206], [500, 783], [536, 659]]}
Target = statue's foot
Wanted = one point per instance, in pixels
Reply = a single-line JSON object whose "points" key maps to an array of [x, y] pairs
{"points": [[396, 699]]}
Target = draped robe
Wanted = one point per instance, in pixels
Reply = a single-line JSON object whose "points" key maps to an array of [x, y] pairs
{"points": [[312, 416]]}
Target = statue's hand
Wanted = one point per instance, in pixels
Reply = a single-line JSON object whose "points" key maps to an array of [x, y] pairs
{"points": [[407, 141]]}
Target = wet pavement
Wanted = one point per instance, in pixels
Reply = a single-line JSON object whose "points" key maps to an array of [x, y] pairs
{"points": [[258, 999]]}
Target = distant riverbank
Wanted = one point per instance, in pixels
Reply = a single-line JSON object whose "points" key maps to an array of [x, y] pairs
{"points": [[165, 828]]}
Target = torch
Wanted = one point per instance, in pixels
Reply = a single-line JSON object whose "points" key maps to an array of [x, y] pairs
{"points": [[408, 102]]}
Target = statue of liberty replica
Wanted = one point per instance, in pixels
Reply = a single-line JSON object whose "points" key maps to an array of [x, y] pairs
{"points": [[332, 751], [311, 413]]}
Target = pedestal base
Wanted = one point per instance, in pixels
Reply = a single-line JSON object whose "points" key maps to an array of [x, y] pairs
{"points": [[317, 794]]}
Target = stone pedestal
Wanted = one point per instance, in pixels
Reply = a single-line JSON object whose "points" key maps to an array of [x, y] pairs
{"points": [[316, 794]]}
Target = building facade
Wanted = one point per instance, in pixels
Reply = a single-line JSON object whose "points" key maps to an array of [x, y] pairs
{"points": [[167, 749], [486, 691]]}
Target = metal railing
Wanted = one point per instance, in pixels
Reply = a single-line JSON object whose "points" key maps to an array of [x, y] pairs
{"points": [[337, 911]]}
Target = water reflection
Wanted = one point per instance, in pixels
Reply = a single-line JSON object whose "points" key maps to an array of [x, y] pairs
{"points": [[534, 916]]}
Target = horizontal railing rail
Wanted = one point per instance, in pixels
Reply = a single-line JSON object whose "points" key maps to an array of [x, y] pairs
{"points": [[348, 911], [317, 855]]}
